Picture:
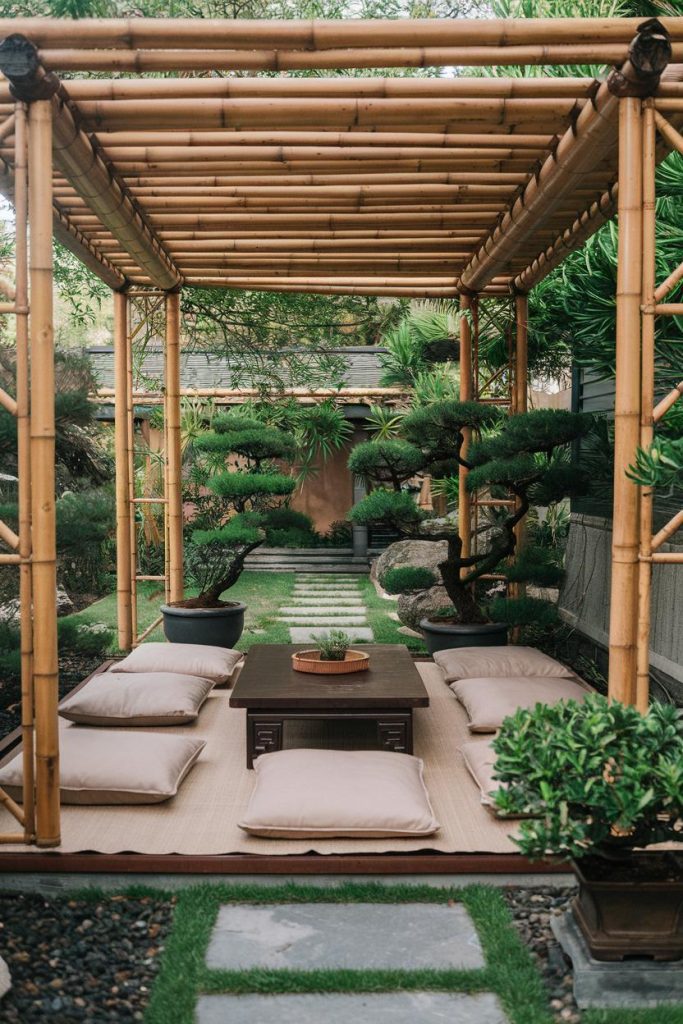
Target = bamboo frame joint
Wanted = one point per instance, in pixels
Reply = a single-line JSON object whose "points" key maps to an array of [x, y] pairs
{"points": [[648, 55]]}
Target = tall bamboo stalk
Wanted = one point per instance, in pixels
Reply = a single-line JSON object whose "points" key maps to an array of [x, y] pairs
{"points": [[43, 474], [130, 473], [174, 492], [464, 500], [23, 413], [625, 536], [123, 506]]}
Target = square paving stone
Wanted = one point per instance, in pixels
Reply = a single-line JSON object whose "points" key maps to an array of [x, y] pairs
{"points": [[319, 936], [337, 1008]]}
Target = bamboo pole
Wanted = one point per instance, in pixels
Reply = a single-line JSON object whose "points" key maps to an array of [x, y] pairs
{"points": [[153, 154], [647, 385], [123, 507], [464, 498], [413, 291], [670, 282], [350, 139], [131, 576], [665, 404], [625, 536], [667, 531], [317, 34], [174, 493], [519, 397], [197, 178], [42, 426], [23, 414]]}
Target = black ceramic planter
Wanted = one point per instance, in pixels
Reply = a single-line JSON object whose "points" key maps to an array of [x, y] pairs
{"points": [[442, 636], [217, 627]]}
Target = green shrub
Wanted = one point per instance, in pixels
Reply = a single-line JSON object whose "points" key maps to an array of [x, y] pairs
{"points": [[407, 578], [396, 509], [333, 645], [523, 611], [291, 537], [596, 778], [95, 639]]}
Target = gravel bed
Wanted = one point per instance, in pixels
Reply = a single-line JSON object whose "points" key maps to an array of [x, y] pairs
{"points": [[531, 910], [73, 669], [74, 960]]}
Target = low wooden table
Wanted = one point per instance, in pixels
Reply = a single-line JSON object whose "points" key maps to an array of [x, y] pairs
{"points": [[273, 693]]}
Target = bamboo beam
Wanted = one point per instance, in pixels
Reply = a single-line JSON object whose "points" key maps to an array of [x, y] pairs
{"points": [[85, 170], [198, 179], [625, 536], [42, 447], [663, 407], [672, 527], [317, 34], [581, 148], [674, 278], [174, 494], [670, 135], [123, 524], [389, 291], [350, 139]]}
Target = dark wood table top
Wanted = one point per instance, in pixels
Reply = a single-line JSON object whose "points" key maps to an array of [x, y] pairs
{"points": [[269, 681]]}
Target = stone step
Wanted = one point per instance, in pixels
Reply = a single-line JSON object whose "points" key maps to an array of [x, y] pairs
{"points": [[305, 598], [340, 1008], [304, 634], [357, 609], [344, 936], [323, 620]]}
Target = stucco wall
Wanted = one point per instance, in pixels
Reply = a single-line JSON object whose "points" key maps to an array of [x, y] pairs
{"points": [[585, 597]]}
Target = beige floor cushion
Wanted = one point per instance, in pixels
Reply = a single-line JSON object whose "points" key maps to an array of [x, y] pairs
{"points": [[137, 698], [114, 767], [365, 793], [488, 701], [489, 662], [480, 760], [216, 663]]}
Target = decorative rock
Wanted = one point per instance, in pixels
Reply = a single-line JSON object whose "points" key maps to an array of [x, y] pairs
{"points": [[64, 602], [5, 978], [421, 554], [414, 607]]}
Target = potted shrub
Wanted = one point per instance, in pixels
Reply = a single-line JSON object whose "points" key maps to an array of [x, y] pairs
{"points": [[332, 656], [234, 483], [522, 457], [600, 781]]}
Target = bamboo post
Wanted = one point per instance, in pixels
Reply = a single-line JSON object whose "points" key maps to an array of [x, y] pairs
{"points": [[130, 473], [23, 412], [43, 474], [174, 494], [625, 536], [464, 500], [519, 402], [123, 506]]}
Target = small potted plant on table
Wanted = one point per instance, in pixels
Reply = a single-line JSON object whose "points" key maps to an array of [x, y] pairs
{"points": [[332, 656], [600, 782]]}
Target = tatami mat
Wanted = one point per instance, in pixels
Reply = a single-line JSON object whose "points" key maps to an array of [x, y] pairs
{"points": [[202, 818]]}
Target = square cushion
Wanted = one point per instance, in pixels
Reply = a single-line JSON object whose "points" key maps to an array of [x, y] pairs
{"points": [[489, 662], [215, 663], [365, 793], [114, 767], [137, 698], [488, 701]]}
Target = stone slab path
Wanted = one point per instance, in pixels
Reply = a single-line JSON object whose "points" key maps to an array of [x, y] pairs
{"points": [[334, 1008], [320, 602], [355, 936], [347, 936]]}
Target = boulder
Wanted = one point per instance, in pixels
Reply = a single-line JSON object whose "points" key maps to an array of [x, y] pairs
{"points": [[414, 607], [64, 603], [421, 554], [5, 978]]}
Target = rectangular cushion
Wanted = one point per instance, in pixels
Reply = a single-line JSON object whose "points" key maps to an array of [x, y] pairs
{"points": [[216, 663], [480, 761], [137, 698], [366, 793], [489, 662], [114, 767], [488, 701]]}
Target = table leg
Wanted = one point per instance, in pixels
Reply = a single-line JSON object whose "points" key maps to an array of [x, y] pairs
{"points": [[395, 732], [264, 735]]}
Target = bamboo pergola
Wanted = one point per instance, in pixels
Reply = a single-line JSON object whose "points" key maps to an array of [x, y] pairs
{"points": [[443, 186]]}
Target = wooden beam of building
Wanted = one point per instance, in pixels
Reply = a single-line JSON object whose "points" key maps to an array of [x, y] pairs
{"points": [[84, 168], [581, 148]]}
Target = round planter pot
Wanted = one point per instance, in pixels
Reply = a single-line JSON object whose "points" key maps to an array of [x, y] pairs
{"points": [[442, 636], [638, 916], [217, 627]]}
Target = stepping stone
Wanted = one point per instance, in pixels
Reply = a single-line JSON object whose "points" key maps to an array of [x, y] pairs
{"points": [[323, 620], [338, 1008], [304, 634], [315, 609], [325, 600], [355, 936]]}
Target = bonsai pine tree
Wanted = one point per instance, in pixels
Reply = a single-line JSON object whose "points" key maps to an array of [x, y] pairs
{"points": [[522, 457], [234, 483]]}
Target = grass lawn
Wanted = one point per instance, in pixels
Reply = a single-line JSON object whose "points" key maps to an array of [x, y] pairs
{"points": [[263, 593], [510, 971]]}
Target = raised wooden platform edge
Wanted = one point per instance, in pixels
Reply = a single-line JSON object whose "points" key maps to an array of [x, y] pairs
{"points": [[427, 863]]}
